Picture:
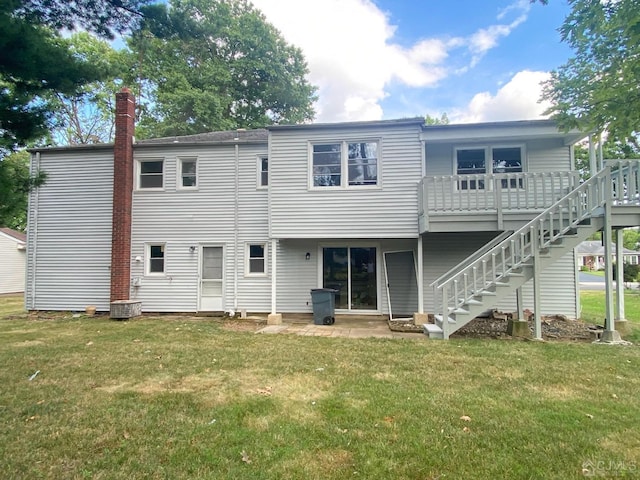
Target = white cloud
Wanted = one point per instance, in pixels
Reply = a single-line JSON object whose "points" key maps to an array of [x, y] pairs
{"points": [[516, 100], [353, 59]]}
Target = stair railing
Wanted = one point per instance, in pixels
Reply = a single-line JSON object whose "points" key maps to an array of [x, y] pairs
{"points": [[488, 272]]}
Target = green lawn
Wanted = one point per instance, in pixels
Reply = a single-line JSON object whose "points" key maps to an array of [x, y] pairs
{"points": [[174, 398], [593, 309]]}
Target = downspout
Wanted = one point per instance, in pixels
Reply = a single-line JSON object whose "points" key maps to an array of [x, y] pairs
{"points": [[33, 211], [236, 208]]}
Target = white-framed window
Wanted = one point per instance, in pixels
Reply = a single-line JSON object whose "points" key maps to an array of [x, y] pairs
{"points": [[263, 172], [187, 173], [494, 159], [155, 258], [256, 259], [344, 164], [150, 174]]}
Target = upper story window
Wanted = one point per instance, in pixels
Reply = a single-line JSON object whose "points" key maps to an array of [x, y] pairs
{"points": [[363, 163], [475, 161], [188, 173], [330, 161], [150, 174], [263, 172], [327, 165], [155, 259]]}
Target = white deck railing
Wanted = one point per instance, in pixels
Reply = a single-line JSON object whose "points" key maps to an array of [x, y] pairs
{"points": [[617, 184], [494, 193]]}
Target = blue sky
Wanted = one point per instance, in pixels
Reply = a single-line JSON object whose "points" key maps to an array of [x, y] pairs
{"points": [[477, 60]]}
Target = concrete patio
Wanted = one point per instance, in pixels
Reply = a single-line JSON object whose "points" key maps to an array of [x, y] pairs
{"points": [[345, 326]]}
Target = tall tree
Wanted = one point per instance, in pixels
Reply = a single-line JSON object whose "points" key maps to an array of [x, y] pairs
{"points": [[36, 61], [599, 88], [87, 116], [214, 65], [15, 183]]}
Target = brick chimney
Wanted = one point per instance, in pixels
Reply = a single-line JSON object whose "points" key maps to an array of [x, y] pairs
{"points": [[122, 196]]}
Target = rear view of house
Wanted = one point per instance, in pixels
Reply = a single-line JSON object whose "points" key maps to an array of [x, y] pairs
{"points": [[13, 259], [402, 219]]}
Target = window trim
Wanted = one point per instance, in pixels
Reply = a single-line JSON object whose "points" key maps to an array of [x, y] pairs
{"points": [[138, 172], [259, 184], [147, 259], [344, 164], [179, 176], [247, 263]]}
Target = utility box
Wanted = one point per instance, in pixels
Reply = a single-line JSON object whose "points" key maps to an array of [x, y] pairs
{"points": [[324, 305]]}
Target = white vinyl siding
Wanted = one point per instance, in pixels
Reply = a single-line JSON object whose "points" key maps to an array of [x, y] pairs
{"points": [[204, 217], [443, 251], [389, 210], [70, 246], [297, 275], [13, 257]]}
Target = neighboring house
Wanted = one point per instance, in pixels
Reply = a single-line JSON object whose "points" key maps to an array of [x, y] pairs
{"points": [[385, 212], [591, 254], [13, 257]]}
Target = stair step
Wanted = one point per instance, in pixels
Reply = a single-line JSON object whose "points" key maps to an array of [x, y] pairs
{"points": [[438, 319], [486, 293], [501, 284], [472, 301], [460, 311], [432, 331]]}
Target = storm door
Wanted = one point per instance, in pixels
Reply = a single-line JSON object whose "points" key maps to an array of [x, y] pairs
{"points": [[211, 277]]}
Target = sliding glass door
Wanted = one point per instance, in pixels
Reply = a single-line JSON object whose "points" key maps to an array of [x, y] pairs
{"points": [[353, 272]]}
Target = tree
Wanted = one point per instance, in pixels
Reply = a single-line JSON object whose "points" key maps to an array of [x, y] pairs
{"points": [[442, 120], [87, 116], [35, 61], [15, 184], [206, 65], [599, 88]]}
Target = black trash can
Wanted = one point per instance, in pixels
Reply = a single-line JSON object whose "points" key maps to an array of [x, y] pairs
{"points": [[324, 305]]}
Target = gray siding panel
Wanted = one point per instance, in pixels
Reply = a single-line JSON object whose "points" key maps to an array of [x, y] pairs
{"points": [[297, 276], [69, 239], [442, 251], [206, 216], [389, 211], [13, 266]]}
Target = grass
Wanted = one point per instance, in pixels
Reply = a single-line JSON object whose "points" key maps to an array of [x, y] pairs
{"points": [[593, 307], [187, 398]]}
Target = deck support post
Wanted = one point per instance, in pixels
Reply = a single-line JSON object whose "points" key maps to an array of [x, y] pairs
{"points": [[609, 335], [621, 323], [420, 276], [537, 313], [274, 318]]}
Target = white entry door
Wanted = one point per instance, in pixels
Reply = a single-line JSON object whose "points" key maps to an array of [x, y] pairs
{"points": [[211, 262]]}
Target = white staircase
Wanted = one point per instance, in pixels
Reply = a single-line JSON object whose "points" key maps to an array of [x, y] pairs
{"points": [[485, 278]]}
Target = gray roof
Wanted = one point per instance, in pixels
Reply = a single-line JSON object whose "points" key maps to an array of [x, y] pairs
{"points": [[19, 236], [594, 248], [259, 135]]}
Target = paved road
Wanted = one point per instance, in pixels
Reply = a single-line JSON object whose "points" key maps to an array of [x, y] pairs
{"points": [[589, 281]]}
